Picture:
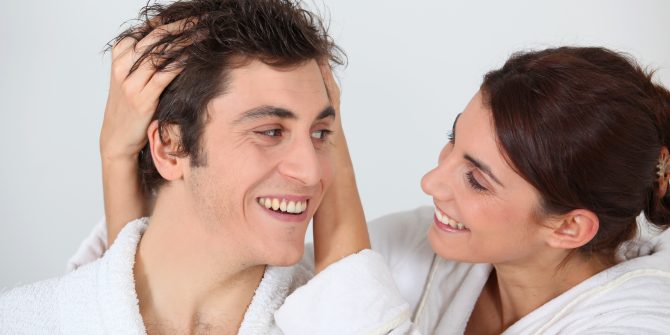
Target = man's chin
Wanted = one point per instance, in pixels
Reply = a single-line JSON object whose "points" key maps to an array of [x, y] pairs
{"points": [[287, 256]]}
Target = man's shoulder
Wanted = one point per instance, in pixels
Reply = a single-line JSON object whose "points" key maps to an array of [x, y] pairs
{"points": [[90, 300], [37, 308], [29, 309], [28, 296]]}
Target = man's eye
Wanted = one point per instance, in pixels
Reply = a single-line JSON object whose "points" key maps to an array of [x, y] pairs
{"points": [[270, 132], [321, 134]]}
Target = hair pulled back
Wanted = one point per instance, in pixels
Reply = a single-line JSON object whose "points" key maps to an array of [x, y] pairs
{"points": [[585, 127]]}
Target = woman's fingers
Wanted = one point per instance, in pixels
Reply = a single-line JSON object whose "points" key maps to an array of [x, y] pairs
{"points": [[127, 51], [158, 82], [142, 88], [123, 46], [122, 59], [331, 85], [146, 71], [159, 32]]}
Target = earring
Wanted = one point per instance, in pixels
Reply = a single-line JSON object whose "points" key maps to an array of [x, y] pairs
{"points": [[663, 171]]}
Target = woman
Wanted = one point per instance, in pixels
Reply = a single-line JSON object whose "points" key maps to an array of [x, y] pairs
{"points": [[536, 197], [536, 192]]}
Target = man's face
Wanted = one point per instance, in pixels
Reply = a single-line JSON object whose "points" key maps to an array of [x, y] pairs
{"points": [[265, 143]]}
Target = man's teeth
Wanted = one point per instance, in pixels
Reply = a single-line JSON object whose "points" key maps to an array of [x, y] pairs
{"points": [[449, 221], [293, 207]]}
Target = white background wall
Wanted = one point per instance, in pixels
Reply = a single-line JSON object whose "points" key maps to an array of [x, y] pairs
{"points": [[413, 65]]}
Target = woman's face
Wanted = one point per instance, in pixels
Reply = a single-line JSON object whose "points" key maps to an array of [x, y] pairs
{"points": [[490, 207]]}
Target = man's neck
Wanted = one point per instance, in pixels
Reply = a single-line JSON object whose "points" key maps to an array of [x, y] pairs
{"points": [[187, 281]]}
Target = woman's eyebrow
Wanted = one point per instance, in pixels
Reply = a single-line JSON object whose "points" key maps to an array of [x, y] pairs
{"points": [[482, 167]]}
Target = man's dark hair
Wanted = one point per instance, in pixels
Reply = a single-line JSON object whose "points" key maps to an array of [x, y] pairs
{"points": [[217, 34]]}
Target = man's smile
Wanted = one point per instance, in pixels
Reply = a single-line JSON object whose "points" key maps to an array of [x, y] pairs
{"points": [[285, 207]]}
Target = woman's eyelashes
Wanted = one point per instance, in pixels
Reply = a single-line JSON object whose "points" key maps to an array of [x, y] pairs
{"points": [[474, 184], [470, 175], [452, 134]]}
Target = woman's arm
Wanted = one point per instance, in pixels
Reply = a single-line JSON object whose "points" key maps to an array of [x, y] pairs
{"points": [[132, 101], [353, 291], [339, 223]]}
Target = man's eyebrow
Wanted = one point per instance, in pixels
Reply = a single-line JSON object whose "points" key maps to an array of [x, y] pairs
{"points": [[326, 113], [482, 167], [264, 112], [278, 112]]}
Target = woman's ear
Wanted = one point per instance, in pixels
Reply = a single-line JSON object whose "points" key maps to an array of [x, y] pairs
{"points": [[164, 149], [575, 229]]}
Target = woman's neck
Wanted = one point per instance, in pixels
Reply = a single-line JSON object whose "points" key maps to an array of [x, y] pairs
{"points": [[517, 289]]}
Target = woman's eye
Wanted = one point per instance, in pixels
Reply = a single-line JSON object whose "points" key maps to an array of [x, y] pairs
{"points": [[451, 137], [474, 183], [270, 132], [321, 134]]}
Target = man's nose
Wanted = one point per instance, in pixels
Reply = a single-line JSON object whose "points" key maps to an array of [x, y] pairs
{"points": [[301, 163]]}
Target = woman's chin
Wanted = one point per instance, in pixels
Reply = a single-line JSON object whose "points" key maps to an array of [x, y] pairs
{"points": [[447, 248]]}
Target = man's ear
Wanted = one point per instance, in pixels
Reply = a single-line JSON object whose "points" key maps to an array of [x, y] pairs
{"points": [[574, 229], [163, 149]]}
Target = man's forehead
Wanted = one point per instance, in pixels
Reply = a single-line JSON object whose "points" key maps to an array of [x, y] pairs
{"points": [[257, 86], [256, 77]]}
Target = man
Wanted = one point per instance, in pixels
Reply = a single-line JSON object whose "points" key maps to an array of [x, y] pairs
{"points": [[238, 159]]}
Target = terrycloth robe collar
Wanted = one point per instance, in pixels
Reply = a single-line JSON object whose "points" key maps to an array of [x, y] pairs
{"points": [[115, 299]]}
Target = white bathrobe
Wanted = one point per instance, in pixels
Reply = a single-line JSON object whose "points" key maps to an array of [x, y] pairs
{"points": [[358, 295], [632, 297], [100, 297]]}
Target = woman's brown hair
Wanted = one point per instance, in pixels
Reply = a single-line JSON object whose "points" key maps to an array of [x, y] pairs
{"points": [[585, 127]]}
